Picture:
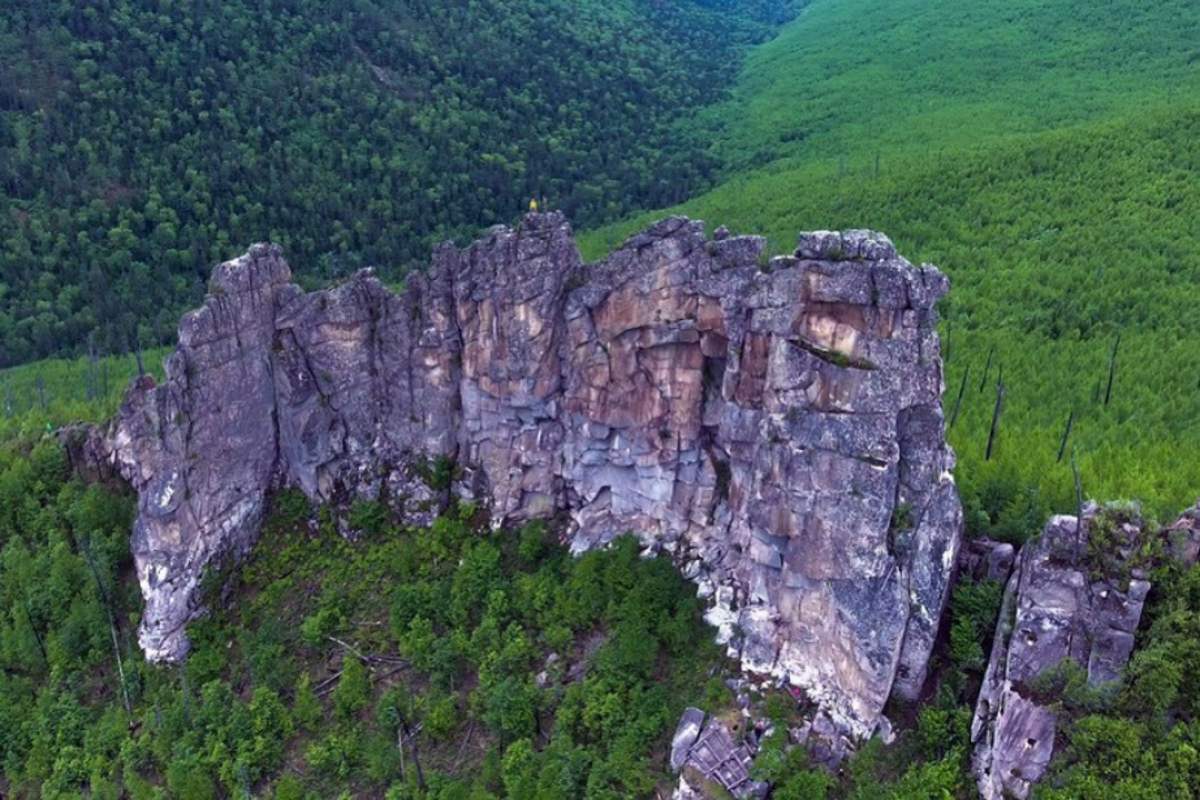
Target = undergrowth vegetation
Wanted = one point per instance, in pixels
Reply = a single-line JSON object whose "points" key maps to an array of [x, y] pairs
{"points": [[447, 662]]}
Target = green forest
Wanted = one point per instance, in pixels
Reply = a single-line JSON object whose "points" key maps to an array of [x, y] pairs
{"points": [[1043, 154], [459, 662], [143, 141]]}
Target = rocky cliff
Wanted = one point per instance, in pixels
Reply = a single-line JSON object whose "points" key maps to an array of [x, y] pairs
{"points": [[775, 426], [1075, 597]]}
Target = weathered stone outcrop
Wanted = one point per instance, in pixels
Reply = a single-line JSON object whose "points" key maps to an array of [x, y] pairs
{"points": [[774, 426], [706, 750], [987, 560], [1073, 596]]}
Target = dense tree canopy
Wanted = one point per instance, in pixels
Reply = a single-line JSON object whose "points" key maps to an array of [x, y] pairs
{"points": [[141, 141]]}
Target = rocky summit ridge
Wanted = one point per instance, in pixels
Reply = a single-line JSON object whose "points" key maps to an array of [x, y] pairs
{"points": [[774, 426]]}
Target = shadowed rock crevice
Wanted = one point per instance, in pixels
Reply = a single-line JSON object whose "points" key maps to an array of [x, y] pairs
{"points": [[761, 423]]}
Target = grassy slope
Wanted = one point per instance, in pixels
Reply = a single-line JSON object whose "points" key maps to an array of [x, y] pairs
{"points": [[1043, 154], [62, 384]]}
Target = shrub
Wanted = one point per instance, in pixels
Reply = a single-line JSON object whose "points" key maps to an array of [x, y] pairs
{"points": [[306, 707], [353, 691]]}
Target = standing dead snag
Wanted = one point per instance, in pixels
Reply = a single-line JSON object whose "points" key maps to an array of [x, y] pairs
{"points": [[1112, 369], [961, 390], [995, 421], [1062, 448], [112, 625], [987, 368]]}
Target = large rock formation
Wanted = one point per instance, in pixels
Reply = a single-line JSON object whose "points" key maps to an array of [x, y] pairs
{"points": [[1074, 597], [775, 426]]}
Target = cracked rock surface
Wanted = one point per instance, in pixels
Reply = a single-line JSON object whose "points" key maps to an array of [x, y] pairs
{"points": [[775, 427], [1071, 597]]}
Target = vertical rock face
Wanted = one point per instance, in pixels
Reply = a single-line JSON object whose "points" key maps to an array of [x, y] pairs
{"points": [[1072, 596], [200, 448], [774, 426]]}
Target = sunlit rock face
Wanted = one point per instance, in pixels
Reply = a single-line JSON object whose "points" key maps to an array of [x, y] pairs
{"points": [[775, 426]]}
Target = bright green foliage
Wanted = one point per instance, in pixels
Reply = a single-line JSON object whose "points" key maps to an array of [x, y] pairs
{"points": [[809, 784], [1044, 155], [353, 690], [63, 549], [289, 787], [142, 141], [306, 707], [973, 610], [337, 755], [788, 770]]}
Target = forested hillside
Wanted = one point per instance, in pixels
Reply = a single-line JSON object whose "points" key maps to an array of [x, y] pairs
{"points": [[141, 141], [1042, 152], [1044, 155], [456, 662]]}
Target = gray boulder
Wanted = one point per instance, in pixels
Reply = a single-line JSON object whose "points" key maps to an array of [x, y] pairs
{"points": [[686, 733]]}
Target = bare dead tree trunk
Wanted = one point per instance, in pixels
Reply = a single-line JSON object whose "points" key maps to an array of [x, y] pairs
{"points": [[400, 747], [1062, 448], [1112, 369], [961, 390], [36, 635], [112, 627], [416, 756], [987, 368], [995, 422]]}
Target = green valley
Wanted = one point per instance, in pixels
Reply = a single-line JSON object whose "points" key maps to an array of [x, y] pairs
{"points": [[142, 141]]}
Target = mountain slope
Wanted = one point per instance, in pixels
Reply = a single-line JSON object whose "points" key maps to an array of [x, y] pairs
{"points": [[142, 141], [1044, 156]]}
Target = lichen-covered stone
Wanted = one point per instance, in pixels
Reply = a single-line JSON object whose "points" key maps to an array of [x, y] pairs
{"points": [[773, 426], [1183, 537]]}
